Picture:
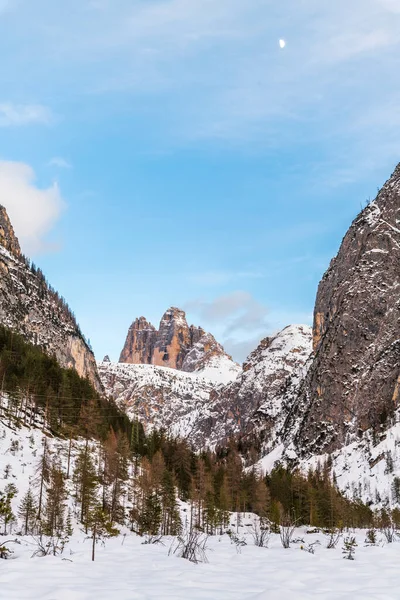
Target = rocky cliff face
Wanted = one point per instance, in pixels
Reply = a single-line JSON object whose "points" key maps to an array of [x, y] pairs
{"points": [[174, 344], [8, 238], [30, 307], [140, 342], [353, 383]]}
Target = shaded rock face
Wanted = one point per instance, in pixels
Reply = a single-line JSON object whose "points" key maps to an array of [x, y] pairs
{"points": [[174, 344], [8, 238], [258, 401], [140, 342], [29, 307], [354, 381]]}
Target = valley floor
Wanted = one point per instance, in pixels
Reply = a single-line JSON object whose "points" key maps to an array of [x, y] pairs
{"points": [[133, 571]]}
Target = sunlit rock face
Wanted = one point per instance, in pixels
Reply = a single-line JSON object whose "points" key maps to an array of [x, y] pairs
{"points": [[174, 345], [29, 306]]}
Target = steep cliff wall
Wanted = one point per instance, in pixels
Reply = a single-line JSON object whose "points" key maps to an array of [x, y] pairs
{"points": [[353, 383], [29, 306]]}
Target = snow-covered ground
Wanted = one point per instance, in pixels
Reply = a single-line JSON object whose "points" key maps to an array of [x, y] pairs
{"points": [[133, 571]]}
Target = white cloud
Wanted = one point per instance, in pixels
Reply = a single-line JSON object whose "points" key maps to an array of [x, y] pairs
{"points": [[15, 115], [237, 310], [60, 162], [33, 211], [214, 278]]}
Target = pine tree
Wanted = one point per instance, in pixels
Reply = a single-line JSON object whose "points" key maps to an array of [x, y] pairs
{"points": [[349, 547], [55, 504], [86, 482], [101, 527], [6, 513], [27, 511], [42, 475]]}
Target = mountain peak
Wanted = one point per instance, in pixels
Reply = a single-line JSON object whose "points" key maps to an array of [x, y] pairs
{"points": [[174, 344], [8, 239]]}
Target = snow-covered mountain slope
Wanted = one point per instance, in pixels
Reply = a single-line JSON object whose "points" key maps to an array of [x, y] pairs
{"points": [[219, 401], [256, 403], [164, 397], [367, 469]]}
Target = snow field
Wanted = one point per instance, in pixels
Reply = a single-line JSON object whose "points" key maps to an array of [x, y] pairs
{"points": [[128, 570]]}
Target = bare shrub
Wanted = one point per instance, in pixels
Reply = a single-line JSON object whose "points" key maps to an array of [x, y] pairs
{"points": [[286, 529], [260, 533], [46, 545], [390, 533], [191, 546], [153, 539], [311, 547], [334, 536], [237, 541]]}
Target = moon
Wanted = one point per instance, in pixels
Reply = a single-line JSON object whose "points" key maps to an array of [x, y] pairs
{"points": [[282, 44]]}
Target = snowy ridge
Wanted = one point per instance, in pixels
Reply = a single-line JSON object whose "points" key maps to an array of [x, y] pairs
{"points": [[164, 397]]}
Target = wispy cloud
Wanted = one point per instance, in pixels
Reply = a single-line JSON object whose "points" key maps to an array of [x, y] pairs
{"points": [[237, 310], [216, 278], [32, 210], [60, 162], [16, 115]]}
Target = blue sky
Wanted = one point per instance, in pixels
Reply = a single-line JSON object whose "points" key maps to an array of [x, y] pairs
{"points": [[169, 152]]}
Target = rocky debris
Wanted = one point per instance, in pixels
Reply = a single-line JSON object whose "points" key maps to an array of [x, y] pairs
{"points": [[30, 307], [174, 344], [8, 239], [106, 359], [353, 382]]}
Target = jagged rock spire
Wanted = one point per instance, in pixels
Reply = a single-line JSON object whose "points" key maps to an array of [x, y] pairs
{"points": [[174, 344], [8, 239]]}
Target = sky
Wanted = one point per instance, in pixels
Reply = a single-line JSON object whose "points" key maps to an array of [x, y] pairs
{"points": [[158, 153]]}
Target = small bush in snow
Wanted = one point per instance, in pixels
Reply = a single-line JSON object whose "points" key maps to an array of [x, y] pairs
{"points": [[287, 528], [46, 545], [237, 541], [349, 547], [191, 546], [371, 538], [153, 539], [260, 533], [333, 538], [6, 552]]}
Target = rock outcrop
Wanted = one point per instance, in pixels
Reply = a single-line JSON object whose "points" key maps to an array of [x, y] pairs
{"points": [[29, 306], [140, 342], [174, 344], [8, 239], [354, 381]]}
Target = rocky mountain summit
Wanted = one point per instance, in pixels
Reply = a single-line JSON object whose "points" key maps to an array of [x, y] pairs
{"points": [[29, 306], [174, 344]]}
